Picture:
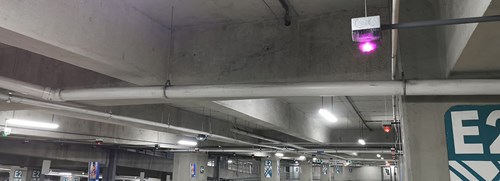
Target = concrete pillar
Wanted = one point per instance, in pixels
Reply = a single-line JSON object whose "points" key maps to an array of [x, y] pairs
{"points": [[18, 174], [272, 163], [187, 166], [217, 169], [306, 171], [326, 172], [110, 171]]}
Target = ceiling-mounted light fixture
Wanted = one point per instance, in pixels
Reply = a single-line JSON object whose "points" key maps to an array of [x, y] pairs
{"points": [[187, 143], [361, 142], [229, 161], [32, 124], [387, 128], [279, 154], [378, 155], [355, 154], [302, 157], [366, 31], [327, 114]]}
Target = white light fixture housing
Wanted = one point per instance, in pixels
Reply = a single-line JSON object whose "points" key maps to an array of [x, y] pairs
{"points": [[361, 142], [279, 154], [355, 154], [65, 173], [378, 155], [327, 115], [229, 161], [302, 157], [187, 143], [31, 124]]}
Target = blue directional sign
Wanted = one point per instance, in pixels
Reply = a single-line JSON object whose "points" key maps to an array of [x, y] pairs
{"points": [[472, 136], [268, 169]]}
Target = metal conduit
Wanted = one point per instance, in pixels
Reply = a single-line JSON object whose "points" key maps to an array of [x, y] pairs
{"points": [[125, 119]]}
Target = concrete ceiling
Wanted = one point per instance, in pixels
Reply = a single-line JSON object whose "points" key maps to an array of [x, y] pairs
{"points": [[480, 55], [197, 12]]}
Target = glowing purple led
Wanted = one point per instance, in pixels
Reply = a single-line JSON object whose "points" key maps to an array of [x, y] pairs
{"points": [[367, 47]]}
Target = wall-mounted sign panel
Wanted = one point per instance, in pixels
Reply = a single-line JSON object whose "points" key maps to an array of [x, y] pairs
{"points": [[472, 136], [94, 171], [268, 169]]}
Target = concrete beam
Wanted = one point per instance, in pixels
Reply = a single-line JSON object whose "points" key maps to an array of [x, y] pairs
{"points": [[72, 129], [278, 115], [457, 37], [109, 37], [83, 154]]}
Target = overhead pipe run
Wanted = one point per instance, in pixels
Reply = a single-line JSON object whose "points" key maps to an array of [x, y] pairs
{"points": [[267, 90], [126, 120]]}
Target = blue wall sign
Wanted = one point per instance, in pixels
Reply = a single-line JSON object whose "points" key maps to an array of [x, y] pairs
{"points": [[192, 170], [472, 137], [93, 171], [268, 169]]}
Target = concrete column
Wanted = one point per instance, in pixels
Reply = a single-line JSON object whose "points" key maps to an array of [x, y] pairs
{"points": [[328, 175], [275, 167], [22, 172], [306, 171], [183, 163], [110, 171], [217, 169]]}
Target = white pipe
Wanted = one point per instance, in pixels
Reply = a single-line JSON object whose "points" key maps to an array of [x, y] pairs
{"points": [[125, 120], [221, 150], [240, 91]]}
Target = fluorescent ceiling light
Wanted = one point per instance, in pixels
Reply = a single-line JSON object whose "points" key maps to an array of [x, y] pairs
{"points": [[187, 143], [355, 154], [327, 115], [279, 154], [6, 169], [302, 157], [32, 124], [381, 158], [361, 142], [65, 173], [229, 161], [378, 155]]}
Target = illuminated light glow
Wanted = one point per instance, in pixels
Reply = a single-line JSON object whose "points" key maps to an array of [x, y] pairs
{"points": [[229, 161], [367, 47], [381, 158], [65, 173], [187, 143], [327, 115], [361, 142], [378, 155], [355, 154], [314, 159], [387, 128], [279, 154], [302, 157], [32, 124]]}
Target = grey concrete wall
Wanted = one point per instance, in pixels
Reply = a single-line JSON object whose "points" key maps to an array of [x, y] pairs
{"points": [[455, 38], [364, 173], [316, 48], [122, 43], [182, 163], [425, 148]]}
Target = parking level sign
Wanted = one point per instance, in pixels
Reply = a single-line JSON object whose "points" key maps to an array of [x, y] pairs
{"points": [[472, 136]]}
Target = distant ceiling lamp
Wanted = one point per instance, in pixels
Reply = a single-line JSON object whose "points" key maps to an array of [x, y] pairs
{"points": [[327, 114], [279, 154], [201, 137], [32, 124], [378, 155], [361, 142], [187, 143], [229, 161], [355, 154], [302, 157]]}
